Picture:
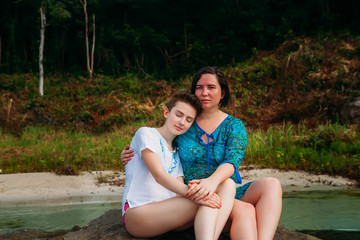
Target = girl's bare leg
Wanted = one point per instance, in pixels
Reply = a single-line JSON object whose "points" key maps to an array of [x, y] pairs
{"points": [[266, 195], [210, 218], [205, 222], [157, 218], [227, 193]]}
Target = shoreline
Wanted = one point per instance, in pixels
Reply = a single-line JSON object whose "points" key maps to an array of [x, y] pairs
{"points": [[47, 188]]}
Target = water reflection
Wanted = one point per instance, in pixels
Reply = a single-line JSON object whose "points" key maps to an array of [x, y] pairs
{"points": [[50, 218], [321, 211]]}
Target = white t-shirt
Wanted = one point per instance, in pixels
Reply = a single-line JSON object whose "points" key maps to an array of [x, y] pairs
{"points": [[140, 186]]}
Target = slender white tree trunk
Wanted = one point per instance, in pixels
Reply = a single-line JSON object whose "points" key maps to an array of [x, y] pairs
{"points": [[90, 65], [93, 46], [41, 52]]}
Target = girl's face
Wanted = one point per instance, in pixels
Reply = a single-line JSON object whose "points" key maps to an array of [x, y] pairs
{"points": [[180, 118], [208, 91]]}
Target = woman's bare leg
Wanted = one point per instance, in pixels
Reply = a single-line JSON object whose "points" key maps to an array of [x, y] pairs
{"points": [[157, 218], [242, 222], [266, 195], [210, 218]]}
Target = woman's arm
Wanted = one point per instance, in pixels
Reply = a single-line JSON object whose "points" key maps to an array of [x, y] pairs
{"points": [[126, 155], [153, 163], [234, 151]]}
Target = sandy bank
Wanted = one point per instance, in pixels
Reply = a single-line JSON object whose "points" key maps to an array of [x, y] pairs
{"points": [[43, 188]]}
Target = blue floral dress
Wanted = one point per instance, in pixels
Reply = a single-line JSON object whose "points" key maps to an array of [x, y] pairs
{"points": [[227, 144]]}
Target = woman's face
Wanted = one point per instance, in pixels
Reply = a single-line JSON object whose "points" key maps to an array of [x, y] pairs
{"points": [[208, 91]]}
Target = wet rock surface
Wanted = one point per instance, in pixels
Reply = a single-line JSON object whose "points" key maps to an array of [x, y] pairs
{"points": [[110, 226]]}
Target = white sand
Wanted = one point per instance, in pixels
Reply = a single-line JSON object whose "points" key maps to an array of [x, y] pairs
{"points": [[49, 188], [298, 180]]}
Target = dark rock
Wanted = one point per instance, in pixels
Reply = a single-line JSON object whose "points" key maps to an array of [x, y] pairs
{"points": [[110, 226], [351, 112], [286, 234], [354, 111], [25, 234]]}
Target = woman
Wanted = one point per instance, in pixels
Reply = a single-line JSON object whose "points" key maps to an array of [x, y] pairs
{"points": [[211, 152], [154, 196]]}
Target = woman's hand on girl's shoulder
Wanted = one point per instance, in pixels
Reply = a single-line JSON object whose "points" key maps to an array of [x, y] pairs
{"points": [[126, 155]]}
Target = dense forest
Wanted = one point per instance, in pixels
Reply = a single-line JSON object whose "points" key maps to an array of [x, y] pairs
{"points": [[167, 39], [285, 60]]}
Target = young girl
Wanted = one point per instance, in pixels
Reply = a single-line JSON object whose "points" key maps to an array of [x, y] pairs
{"points": [[154, 199]]}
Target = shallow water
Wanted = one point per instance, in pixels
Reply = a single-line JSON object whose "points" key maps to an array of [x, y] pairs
{"points": [[325, 214], [320, 210], [315, 212], [52, 218]]}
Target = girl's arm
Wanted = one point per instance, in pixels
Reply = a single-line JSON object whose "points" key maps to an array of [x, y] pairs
{"points": [[180, 179], [153, 163], [199, 189], [157, 171]]}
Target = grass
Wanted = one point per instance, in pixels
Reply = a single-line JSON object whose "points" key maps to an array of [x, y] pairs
{"points": [[42, 149], [329, 148]]}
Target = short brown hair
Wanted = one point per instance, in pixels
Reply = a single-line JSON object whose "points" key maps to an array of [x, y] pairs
{"points": [[221, 80], [185, 97]]}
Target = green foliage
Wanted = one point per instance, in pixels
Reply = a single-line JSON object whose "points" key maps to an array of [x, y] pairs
{"points": [[304, 78], [57, 10], [43, 149], [77, 104], [330, 148]]}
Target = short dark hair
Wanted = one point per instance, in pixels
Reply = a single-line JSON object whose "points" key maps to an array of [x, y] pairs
{"points": [[221, 79], [185, 97]]}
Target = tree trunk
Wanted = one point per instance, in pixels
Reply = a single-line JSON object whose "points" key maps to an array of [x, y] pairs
{"points": [[41, 51], [93, 46], [90, 66]]}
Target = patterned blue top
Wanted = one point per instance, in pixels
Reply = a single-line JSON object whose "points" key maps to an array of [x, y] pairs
{"points": [[227, 144]]}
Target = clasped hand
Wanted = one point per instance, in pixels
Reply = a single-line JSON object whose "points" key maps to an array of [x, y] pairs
{"points": [[201, 189], [212, 201]]}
